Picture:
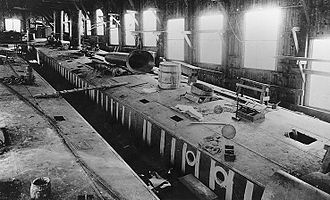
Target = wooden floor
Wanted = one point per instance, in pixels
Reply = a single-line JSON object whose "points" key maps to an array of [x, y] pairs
{"points": [[70, 152]]}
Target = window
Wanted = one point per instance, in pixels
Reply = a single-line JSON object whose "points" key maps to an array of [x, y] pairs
{"points": [[129, 19], [149, 24], [66, 23], [261, 31], [175, 39], [209, 32], [318, 93], [99, 22], [13, 25], [114, 35], [88, 27]]}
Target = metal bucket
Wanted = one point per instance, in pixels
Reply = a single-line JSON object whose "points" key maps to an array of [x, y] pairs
{"points": [[40, 188], [169, 75]]}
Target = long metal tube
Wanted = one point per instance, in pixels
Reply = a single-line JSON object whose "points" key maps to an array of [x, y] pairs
{"points": [[138, 60]]}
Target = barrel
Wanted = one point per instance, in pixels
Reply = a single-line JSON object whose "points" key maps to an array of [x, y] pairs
{"points": [[169, 75]]}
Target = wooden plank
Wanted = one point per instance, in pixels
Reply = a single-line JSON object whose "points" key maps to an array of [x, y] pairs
{"points": [[255, 82], [249, 87], [198, 188], [302, 58], [315, 72]]}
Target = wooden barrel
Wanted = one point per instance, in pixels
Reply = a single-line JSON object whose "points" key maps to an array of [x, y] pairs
{"points": [[169, 75]]}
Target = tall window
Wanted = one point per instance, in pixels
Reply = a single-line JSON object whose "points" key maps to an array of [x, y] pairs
{"points": [[100, 22], [66, 23], [13, 25], [209, 31], [88, 26], [149, 24], [129, 19], [175, 39], [114, 24], [261, 33], [318, 84]]}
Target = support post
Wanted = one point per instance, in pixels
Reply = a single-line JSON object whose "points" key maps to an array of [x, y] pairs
{"points": [[76, 29]]}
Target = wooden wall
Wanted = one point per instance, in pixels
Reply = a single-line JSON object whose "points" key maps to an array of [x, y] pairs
{"points": [[286, 78], [311, 16]]}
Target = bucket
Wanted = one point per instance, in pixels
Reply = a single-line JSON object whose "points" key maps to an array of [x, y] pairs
{"points": [[169, 75], [40, 188]]}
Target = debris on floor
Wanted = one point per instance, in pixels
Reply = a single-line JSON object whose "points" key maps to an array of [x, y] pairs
{"points": [[211, 144], [149, 90], [191, 111], [200, 99], [86, 197], [218, 109], [154, 181]]}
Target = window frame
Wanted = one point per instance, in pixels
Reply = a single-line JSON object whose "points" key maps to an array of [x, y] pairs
{"points": [[133, 14], [149, 31], [220, 30], [99, 22], [12, 28], [310, 72], [183, 39], [111, 31], [279, 28]]}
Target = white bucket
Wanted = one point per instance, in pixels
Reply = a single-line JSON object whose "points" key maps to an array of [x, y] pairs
{"points": [[169, 75]]}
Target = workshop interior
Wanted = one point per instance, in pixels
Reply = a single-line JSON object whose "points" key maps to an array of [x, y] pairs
{"points": [[165, 99]]}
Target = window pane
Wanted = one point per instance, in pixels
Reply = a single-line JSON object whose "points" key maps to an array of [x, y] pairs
{"points": [[114, 36], [89, 27], [66, 23], [261, 30], [260, 54], [319, 92], [319, 85], [321, 50], [100, 22], [175, 39], [262, 24], [129, 19], [149, 24], [210, 38], [13, 25]]}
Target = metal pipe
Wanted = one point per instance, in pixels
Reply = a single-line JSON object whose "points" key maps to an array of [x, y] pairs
{"points": [[137, 60]]}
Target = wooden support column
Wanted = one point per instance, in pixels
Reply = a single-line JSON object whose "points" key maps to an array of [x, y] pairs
{"points": [[76, 29], [190, 26], [58, 24], [23, 22], [93, 19], [107, 23]]}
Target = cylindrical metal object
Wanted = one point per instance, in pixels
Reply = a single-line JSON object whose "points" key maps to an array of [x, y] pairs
{"points": [[169, 75], [29, 74], [138, 60], [40, 188]]}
